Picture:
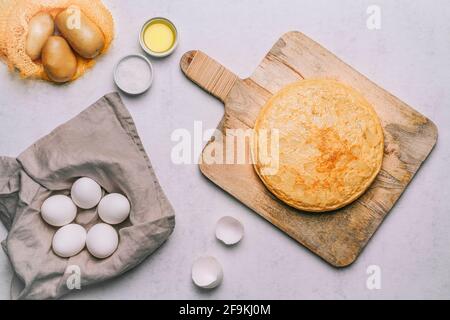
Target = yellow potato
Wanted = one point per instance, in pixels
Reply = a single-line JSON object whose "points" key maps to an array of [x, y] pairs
{"points": [[40, 28], [60, 63], [83, 34]]}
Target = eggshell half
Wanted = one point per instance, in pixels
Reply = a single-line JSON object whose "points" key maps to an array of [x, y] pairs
{"points": [[207, 273], [229, 230]]}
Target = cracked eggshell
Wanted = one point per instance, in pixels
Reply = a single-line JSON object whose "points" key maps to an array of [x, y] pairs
{"points": [[207, 273], [229, 230]]}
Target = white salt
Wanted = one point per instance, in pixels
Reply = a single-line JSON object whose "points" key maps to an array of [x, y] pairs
{"points": [[133, 75]]}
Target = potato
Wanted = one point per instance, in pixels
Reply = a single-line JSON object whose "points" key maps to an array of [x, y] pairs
{"points": [[83, 34], [60, 63], [40, 28]]}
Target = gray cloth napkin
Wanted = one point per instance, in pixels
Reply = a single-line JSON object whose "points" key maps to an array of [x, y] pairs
{"points": [[101, 143]]}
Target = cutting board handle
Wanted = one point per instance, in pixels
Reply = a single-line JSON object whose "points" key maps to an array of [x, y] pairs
{"points": [[208, 74]]}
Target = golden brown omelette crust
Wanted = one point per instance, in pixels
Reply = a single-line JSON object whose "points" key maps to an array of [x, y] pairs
{"points": [[330, 146]]}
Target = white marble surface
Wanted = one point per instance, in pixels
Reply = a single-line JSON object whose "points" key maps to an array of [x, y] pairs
{"points": [[409, 56]]}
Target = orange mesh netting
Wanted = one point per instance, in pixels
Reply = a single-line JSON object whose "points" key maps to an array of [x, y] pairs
{"points": [[14, 18]]}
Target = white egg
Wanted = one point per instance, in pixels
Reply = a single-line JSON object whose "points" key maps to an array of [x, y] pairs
{"points": [[86, 193], [114, 208], [69, 240], [102, 240], [58, 210]]}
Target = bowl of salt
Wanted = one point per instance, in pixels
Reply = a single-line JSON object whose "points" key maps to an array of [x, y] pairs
{"points": [[133, 74]]}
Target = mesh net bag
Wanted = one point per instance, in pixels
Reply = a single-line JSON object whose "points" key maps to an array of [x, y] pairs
{"points": [[14, 18]]}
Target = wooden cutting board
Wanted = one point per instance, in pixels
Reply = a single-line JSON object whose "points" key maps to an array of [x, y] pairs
{"points": [[340, 236]]}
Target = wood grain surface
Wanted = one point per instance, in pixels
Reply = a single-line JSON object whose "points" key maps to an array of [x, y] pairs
{"points": [[340, 236]]}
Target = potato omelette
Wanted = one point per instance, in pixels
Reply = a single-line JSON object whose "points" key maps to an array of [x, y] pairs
{"points": [[330, 145]]}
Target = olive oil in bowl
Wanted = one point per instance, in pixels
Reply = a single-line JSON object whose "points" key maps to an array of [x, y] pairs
{"points": [[159, 37]]}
